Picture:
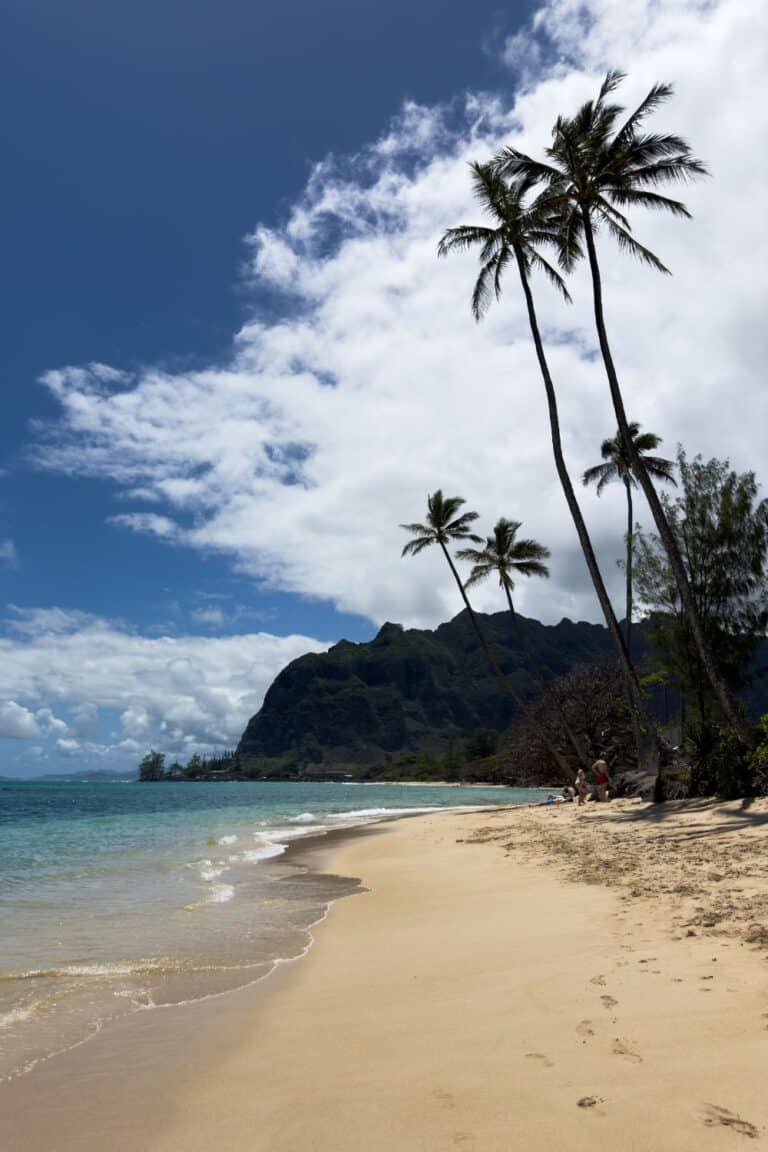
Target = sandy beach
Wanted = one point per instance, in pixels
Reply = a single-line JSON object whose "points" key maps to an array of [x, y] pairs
{"points": [[539, 978]]}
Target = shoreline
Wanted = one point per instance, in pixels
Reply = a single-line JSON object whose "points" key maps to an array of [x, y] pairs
{"points": [[232, 906], [512, 994]]}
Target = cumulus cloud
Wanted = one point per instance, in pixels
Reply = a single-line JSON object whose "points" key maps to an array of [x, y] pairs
{"points": [[372, 386], [17, 722], [182, 693], [8, 554]]}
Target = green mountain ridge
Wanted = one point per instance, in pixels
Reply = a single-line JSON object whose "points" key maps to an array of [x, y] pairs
{"points": [[407, 691]]}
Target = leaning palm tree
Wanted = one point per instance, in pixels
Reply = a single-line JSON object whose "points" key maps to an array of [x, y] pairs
{"points": [[617, 465], [600, 163], [505, 556], [518, 226], [446, 524]]}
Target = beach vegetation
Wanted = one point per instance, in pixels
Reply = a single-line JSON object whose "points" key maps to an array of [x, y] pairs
{"points": [[720, 525], [152, 766], [445, 525], [601, 163], [616, 465], [590, 696], [520, 224]]}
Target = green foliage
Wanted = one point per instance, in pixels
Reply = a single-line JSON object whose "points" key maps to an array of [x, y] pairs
{"points": [[505, 556], [617, 462], [720, 765], [445, 523], [482, 743], [759, 760], [602, 162], [408, 692], [590, 697], [520, 225], [152, 767], [721, 528]]}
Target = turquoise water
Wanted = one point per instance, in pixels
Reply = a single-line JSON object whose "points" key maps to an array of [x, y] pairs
{"points": [[120, 897]]}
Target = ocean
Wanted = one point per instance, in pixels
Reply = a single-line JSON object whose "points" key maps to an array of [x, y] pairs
{"points": [[127, 897]]}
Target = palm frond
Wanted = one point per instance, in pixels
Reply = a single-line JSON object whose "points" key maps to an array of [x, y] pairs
{"points": [[516, 165], [535, 260], [600, 474], [657, 96], [642, 198], [485, 287], [677, 169], [464, 237], [628, 244], [413, 547], [660, 469], [613, 78]]}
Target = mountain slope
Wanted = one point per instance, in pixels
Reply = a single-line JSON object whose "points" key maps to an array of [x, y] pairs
{"points": [[406, 691]]}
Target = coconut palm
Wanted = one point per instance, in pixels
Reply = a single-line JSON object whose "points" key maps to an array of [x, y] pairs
{"points": [[617, 465], [518, 226], [446, 524], [505, 556], [600, 163]]}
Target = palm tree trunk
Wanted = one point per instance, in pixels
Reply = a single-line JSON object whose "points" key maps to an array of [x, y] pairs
{"points": [[654, 503], [503, 682], [535, 667], [628, 484], [628, 674]]}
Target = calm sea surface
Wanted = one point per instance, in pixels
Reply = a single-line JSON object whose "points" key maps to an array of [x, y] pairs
{"points": [[127, 897]]}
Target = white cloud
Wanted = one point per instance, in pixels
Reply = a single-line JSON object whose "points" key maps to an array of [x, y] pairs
{"points": [[329, 425], [180, 693], [212, 617], [50, 723], [68, 746], [17, 722], [8, 554]]}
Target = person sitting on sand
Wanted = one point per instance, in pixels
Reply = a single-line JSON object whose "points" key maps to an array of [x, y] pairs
{"points": [[600, 769], [568, 793], [581, 787]]}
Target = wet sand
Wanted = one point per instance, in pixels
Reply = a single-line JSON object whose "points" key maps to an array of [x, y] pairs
{"points": [[539, 978]]}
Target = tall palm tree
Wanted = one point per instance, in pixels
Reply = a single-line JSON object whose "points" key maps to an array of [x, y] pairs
{"points": [[505, 556], [445, 525], [599, 163], [518, 226], [617, 465]]}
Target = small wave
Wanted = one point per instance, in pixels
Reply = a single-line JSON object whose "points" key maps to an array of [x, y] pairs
{"points": [[265, 852], [372, 813], [17, 1015], [303, 818], [210, 870], [227, 840], [117, 968], [222, 893]]}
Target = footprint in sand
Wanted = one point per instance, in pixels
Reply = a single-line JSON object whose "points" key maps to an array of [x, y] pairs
{"points": [[621, 1049], [608, 1001], [599, 980], [714, 1115], [584, 1030], [444, 1097], [544, 1060]]}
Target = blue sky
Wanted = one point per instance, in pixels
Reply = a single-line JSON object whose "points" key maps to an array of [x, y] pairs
{"points": [[231, 210], [146, 140]]}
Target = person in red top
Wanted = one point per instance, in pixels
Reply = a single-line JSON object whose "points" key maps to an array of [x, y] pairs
{"points": [[600, 769]]}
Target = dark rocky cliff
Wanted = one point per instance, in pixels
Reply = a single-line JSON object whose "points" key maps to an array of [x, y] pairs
{"points": [[407, 691]]}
